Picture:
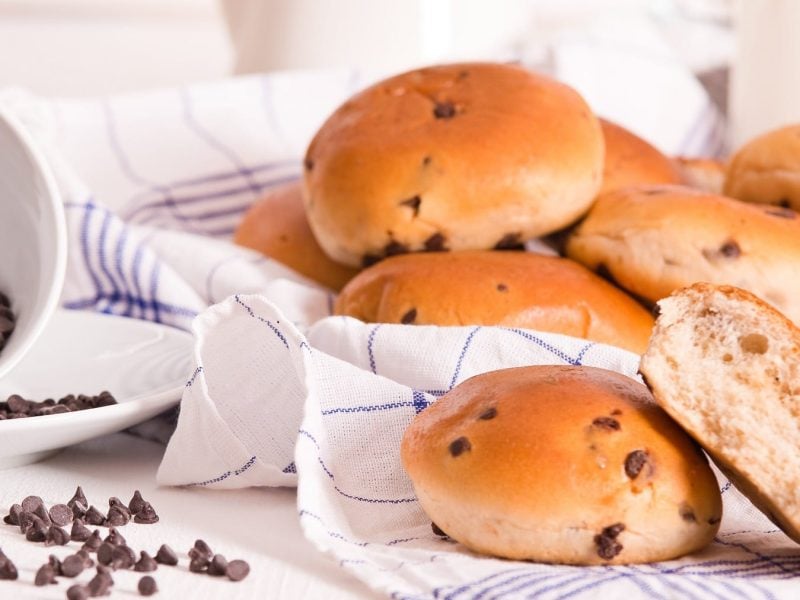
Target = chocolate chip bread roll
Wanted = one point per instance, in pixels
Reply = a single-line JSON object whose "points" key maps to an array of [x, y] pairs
{"points": [[724, 364], [652, 240], [453, 157], [276, 225], [559, 464], [630, 160], [513, 289]]}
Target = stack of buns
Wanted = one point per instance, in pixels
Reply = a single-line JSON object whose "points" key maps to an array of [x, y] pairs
{"points": [[418, 198]]}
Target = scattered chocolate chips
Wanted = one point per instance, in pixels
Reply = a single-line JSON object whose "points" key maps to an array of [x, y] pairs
{"points": [[409, 317], [687, 513], [510, 241], [393, 248], [101, 584], [16, 407], [42, 513], [237, 570], [31, 503], [730, 249], [145, 563], [45, 575], [60, 514], [459, 446], [435, 243], [79, 533], [12, 518], [198, 564], [78, 496], [115, 538], [502, 287], [7, 569], [7, 319], [218, 566], [607, 423], [635, 462], [489, 413], [78, 592], [122, 557], [94, 516], [36, 531], [146, 516], [105, 553], [606, 541], [118, 516], [444, 110], [94, 542], [147, 586], [137, 502], [413, 203], [56, 536], [55, 563], [201, 549], [72, 566], [166, 556], [86, 558]]}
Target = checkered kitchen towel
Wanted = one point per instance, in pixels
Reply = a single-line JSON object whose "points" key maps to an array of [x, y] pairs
{"points": [[154, 185]]}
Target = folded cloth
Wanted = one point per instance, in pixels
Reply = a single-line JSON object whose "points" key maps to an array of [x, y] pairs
{"points": [[154, 185]]}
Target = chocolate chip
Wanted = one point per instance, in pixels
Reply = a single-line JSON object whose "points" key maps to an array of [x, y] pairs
{"points": [[166, 556], [502, 287], [86, 558], [201, 549], [147, 586], [79, 533], [118, 516], [146, 516], [687, 513], [370, 259], [510, 241], [413, 203], [100, 585], [94, 517], [56, 536], [308, 163], [60, 514], [78, 510], [409, 317], [12, 518], [115, 538], [145, 563], [31, 503], [7, 569], [137, 502], [55, 563], [426, 160], [394, 248], [730, 249], [78, 496], [105, 553], [237, 570], [36, 531], [72, 566], [489, 413], [45, 575], [94, 542], [198, 564], [713, 520], [25, 519], [42, 513], [606, 541], [78, 592], [459, 446], [435, 243], [122, 557], [437, 530], [607, 423], [656, 310], [217, 566], [444, 110], [634, 463], [616, 412]]}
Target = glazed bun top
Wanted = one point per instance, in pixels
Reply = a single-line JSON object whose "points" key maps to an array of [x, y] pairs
{"points": [[464, 156]]}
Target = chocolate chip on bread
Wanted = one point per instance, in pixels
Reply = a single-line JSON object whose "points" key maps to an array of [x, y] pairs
{"points": [[559, 464]]}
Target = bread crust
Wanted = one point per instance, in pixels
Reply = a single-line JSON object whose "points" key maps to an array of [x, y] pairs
{"points": [[566, 456], [463, 156], [276, 225], [652, 240], [483, 287], [703, 174]]}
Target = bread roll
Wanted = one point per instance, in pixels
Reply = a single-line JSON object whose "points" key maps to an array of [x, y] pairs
{"points": [[276, 226], [630, 160], [513, 289], [767, 169], [704, 174], [465, 156], [654, 240], [725, 366], [561, 464]]}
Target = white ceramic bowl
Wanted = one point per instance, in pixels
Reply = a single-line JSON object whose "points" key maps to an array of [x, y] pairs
{"points": [[33, 239]]}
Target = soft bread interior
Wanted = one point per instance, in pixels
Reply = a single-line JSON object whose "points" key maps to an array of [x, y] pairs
{"points": [[725, 366]]}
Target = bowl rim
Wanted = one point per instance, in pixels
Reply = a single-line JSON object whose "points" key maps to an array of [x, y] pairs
{"points": [[40, 163]]}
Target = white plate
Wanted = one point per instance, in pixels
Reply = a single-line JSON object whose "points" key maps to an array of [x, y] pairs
{"points": [[144, 365]]}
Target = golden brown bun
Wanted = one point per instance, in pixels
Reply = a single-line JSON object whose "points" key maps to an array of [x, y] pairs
{"points": [[465, 156], [561, 464], [277, 226], [704, 174], [767, 169], [654, 240], [630, 160], [724, 364], [483, 287]]}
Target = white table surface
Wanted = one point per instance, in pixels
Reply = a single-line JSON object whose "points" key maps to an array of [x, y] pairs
{"points": [[259, 525]]}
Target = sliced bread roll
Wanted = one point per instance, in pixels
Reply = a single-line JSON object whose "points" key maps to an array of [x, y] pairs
{"points": [[726, 366]]}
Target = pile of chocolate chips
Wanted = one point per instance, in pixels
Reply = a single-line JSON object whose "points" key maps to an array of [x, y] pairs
{"points": [[42, 524], [17, 407], [7, 319]]}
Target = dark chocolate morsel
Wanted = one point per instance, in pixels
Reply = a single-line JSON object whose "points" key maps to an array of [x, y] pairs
{"points": [[147, 586], [444, 110], [409, 317], [413, 203], [607, 423], [510, 241], [635, 462], [606, 541], [237, 570], [459, 446], [489, 413], [435, 243]]}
